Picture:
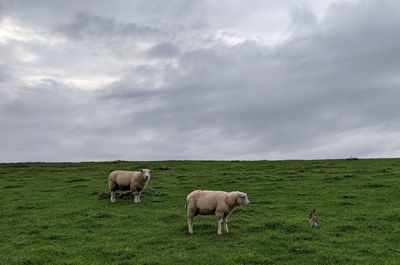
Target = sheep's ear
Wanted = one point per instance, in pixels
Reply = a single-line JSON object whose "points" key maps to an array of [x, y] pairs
{"points": [[141, 170]]}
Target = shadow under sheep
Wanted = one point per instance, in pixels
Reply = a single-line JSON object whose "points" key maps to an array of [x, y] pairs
{"points": [[120, 196]]}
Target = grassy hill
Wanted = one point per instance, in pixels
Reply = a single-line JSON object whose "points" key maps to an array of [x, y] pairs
{"points": [[51, 213]]}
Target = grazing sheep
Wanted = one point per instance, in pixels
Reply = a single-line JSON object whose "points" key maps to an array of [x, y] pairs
{"points": [[312, 218], [220, 203], [135, 181]]}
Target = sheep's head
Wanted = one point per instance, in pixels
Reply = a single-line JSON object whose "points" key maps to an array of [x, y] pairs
{"points": [[145, 174], [243, 198]]}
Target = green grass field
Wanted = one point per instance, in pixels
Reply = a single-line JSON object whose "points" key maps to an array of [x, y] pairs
{"points": [[51, 213]]}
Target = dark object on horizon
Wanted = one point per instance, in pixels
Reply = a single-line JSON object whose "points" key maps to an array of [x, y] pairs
{"points": [[352, 158]]}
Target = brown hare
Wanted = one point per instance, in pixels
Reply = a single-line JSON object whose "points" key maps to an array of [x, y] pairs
{"points": [[312, 218]]}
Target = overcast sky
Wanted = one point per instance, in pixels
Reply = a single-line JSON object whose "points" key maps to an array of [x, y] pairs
{"points": [[180, 79]]}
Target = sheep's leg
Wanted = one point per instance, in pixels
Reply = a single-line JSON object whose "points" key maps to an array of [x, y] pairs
{"points": [[190, 223], [220, 220], [190, 213], [136, 197], [112, 187], [226, 224]]}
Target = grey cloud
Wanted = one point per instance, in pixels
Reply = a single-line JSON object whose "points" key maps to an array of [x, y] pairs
{"points": [[163, 50], [292, 97], [94, 26], [302, 19], [328, 91], [4, 72], [52, 122]]}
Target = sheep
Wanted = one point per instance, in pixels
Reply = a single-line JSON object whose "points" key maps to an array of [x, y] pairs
{"points": [[136, 181], [220, 203]]}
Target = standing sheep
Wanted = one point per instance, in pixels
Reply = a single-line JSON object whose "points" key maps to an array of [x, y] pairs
{"points": [[220, 203], [135, 181]]}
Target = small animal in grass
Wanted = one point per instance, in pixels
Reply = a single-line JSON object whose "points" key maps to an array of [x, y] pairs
{"points": [[312, 218]]}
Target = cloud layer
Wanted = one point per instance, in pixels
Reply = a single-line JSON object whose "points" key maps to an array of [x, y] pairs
{"points": [[199, 80]]}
